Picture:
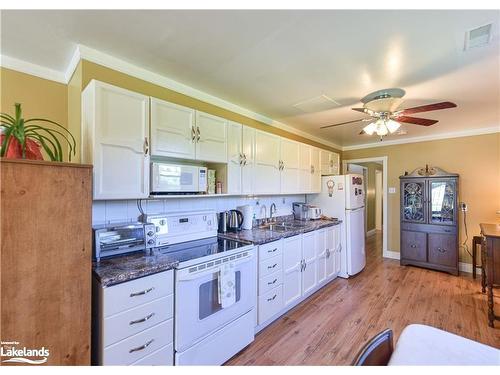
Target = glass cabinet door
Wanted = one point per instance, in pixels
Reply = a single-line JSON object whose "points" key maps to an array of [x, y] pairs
{"points": [[413, 201], [442, 202]]}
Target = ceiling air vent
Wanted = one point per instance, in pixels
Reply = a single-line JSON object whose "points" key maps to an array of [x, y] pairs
{"points": [[478, 37], [317, 104]]}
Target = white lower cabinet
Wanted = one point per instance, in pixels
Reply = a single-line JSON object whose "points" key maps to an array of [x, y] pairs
{"points": [[292, 268], [309, 273], [134, 321]]}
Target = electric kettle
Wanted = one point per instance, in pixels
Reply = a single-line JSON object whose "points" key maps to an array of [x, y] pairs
{"points": [[234, 220]]}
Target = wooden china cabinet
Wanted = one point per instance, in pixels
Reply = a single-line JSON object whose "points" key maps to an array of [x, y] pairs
{"points": [[429, 219]]}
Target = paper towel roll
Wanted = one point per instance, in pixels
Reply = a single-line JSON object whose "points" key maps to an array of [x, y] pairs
{"points": [[247, 212]]}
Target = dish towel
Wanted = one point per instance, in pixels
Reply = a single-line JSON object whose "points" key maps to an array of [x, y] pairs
{"points": [[227, 285]]}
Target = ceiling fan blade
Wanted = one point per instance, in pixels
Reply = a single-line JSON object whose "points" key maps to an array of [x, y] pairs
{"points": [[415, 120], [344, 123], [427, 108], [363, 110]]}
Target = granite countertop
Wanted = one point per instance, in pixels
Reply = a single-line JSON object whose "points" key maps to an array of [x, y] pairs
{"points": [[259, 236], [123, 268], [132, 266]]}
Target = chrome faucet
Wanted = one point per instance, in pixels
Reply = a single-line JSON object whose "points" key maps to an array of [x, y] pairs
{"points": [[272, 211], [265, 212]]}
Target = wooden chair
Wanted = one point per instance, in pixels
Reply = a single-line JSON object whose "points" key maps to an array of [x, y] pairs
{"points": [[376, 352]]}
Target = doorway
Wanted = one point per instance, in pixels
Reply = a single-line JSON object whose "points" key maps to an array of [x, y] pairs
{"points": [[375, 181]]}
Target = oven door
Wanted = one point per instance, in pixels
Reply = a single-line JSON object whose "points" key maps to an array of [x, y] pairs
{"points": [[198, 312], [173, 178]]}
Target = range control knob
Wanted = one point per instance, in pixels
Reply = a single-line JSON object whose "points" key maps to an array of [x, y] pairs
{"points": [[151, 242], [151, 233]]}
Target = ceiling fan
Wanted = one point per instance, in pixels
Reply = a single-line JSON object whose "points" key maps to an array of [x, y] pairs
{"points": [[385, 117]]}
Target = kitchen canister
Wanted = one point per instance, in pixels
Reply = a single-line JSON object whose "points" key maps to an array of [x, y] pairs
{"points": [[247, 212]]}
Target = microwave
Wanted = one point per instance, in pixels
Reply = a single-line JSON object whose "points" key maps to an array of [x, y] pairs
{"points": [[167, 178]]}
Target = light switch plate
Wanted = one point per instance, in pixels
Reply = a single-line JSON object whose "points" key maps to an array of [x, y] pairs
{"points": [[392, 190]]}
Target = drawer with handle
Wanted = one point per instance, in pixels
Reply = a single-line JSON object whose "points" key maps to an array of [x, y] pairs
{"points": [[269, 282], [132, 349], [161, 357], [133, 293], [271, 249], [132, 321], [270, 304], [269, 266]]}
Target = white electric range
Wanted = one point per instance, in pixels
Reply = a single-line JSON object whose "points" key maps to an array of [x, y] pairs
{"points": [[207, 330]]}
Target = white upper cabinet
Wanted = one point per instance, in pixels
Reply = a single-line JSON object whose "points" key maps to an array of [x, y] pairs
{"points": [[115, 139], [181, 132], [211, 138], [315, 171], [304, 168], [234, 158], [248, 164], [289, 166], [329, 162], [267, 163], [172, 130]]}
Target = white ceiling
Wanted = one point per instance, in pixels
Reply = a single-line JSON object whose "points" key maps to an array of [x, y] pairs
{"points": [[267, 61]]}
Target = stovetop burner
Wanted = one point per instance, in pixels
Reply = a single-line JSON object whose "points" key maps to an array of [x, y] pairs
{"points": [[188, 253]]}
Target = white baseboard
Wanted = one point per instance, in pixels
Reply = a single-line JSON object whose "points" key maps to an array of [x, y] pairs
{"points": [[467, 268], [463, 267], [391, 254]]}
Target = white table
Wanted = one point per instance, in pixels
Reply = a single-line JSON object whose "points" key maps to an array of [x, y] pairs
{"points": [[423, 345]]}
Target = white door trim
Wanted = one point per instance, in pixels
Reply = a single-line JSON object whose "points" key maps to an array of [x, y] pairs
{"points": [[378, 199], [385, 251]]}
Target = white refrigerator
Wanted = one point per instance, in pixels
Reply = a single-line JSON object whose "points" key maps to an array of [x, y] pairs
{"points": [[343, 197]]}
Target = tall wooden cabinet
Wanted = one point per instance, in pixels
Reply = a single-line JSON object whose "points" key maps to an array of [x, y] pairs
{"points": [[429, 219], [46, 252]]}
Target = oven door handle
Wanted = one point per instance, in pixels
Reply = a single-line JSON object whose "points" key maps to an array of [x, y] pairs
{"points": [[184, 275]]}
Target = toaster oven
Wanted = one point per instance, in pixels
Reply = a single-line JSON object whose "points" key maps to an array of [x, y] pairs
{"points": [[122, 238]]}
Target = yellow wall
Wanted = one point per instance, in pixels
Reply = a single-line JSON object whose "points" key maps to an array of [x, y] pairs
{"points": [[101, 73], [476, 159], [370, 193], [74, 89], [39, 97]]}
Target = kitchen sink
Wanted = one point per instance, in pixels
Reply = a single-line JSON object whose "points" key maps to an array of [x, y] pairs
{"points": [[282, 227]]}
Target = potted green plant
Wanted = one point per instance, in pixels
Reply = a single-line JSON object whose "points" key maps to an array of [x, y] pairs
{"points": [[24, 139]]}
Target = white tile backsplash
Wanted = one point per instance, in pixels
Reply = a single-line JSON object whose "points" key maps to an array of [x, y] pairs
{"points": [[104, 212]]}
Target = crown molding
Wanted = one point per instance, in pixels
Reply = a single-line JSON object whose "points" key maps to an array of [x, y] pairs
{"points": [[32, 69], [73, 64], [426, 138], [101, 58]]}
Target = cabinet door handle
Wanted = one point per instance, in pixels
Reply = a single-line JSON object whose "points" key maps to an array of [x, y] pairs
{"points": [[142, 320], [142, 292], [193, 134], [328, 253], [441, 250], [305, 265], [312, 169], [273, 250], [271, 267], [142, 347], [272, 299], [272, 282], [413, 246], [244, 159], [241, 158], [198, 137], [447, 230], [146, 146]]}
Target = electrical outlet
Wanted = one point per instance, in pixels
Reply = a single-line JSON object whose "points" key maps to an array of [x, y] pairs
{"points": [[463, 206], [392, 190]]}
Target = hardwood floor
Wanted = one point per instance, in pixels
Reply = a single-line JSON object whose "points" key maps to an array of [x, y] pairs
{"points": [[332, 325]]}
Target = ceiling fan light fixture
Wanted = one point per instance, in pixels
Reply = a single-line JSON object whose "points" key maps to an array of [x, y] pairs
{"points": [[370, 128], [381, 128], [392, 125]]}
